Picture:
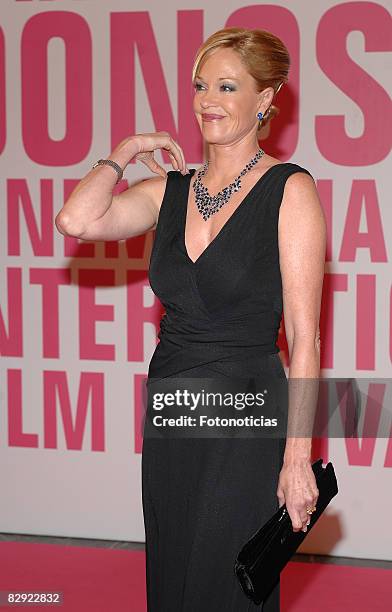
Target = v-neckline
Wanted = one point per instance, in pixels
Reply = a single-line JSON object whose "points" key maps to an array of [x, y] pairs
{"points": [[228, 221]]}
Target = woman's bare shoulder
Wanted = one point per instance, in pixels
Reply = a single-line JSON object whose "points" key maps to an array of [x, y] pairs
{"points": [[267, 162], [300, 199], [154, 188]]}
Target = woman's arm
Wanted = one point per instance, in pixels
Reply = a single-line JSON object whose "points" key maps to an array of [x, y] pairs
{"points": [[91, 199], [302, 246], [92, 212]]}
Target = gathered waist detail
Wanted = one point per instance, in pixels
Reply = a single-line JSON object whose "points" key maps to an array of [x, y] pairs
{"points": [[185, 342], [254, 331]]}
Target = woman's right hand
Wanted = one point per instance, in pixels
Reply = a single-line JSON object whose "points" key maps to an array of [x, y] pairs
{"points": [[146, 145]]}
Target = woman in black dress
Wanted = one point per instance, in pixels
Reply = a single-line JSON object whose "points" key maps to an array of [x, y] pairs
{"points": [[224, 274]]}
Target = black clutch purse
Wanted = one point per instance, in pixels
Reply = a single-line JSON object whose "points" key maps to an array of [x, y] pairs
{"points": [[265, 554]]}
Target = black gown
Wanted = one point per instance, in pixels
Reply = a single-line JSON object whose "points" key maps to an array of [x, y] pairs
{"points": [[204, 497]]}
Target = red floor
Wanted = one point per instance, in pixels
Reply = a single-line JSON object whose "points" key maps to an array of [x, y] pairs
{"points": [[104, 580]]}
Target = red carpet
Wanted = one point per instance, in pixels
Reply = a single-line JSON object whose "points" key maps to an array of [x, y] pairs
{"points": [[321, 587], [104, 580]]}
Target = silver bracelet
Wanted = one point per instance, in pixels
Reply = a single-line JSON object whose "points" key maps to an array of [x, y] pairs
{"points": [[113, 164]]}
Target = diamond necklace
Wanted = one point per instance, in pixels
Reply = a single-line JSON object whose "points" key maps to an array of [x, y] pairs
{"points": [[207, 204]]}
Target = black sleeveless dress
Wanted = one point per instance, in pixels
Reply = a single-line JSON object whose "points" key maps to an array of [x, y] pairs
{"points": [[204, 497]]}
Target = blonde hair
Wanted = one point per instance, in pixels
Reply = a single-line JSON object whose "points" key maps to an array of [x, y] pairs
{"points": [[263, 54]]}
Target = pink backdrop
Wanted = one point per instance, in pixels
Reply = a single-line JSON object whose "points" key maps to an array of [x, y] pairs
{"points": [[78, 320]]}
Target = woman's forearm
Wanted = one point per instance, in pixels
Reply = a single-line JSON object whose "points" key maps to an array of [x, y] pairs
{"points": [[93, 195], [303, 386]]}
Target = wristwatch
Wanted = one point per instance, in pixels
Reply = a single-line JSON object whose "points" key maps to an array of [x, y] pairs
{"points": [[114, 165]]}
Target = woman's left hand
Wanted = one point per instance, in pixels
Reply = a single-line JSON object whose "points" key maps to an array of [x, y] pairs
{"points": [[297, 489]]}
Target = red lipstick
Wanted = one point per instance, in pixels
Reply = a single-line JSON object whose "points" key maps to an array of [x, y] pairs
{"points": [[211, 117]]}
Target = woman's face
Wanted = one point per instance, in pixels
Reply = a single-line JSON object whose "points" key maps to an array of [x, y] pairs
{"points": [[226, 102]]}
